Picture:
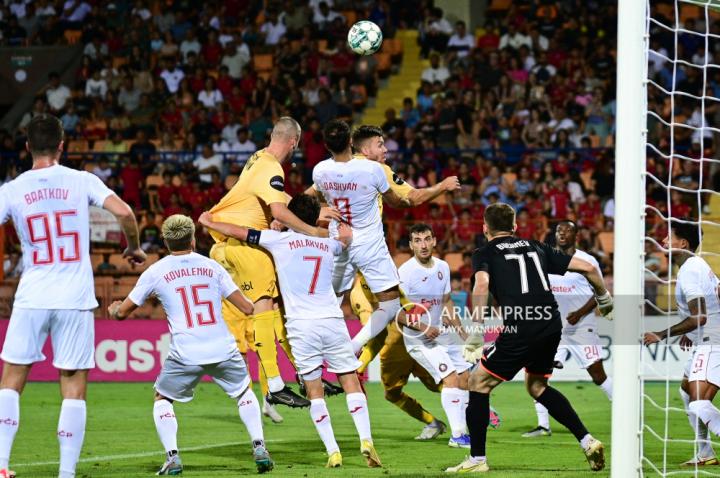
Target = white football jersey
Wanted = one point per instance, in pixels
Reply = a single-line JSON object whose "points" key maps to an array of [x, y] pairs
{"points": [[49, 207], [190, 288], [426, 286], [353, 188], [304, 268], [572, 291], [696, 279]]}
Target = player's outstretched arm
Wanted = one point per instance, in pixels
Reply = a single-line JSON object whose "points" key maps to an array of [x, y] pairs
{"points": [[281, 212], [421, 196], [126, 217], [121, 310], [393, 199], [697, 318], [602, 296], [239, 300], [473, 348], [226, 229]]}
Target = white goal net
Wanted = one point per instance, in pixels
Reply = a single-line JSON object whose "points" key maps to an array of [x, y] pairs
{"points": [[682, 103]]}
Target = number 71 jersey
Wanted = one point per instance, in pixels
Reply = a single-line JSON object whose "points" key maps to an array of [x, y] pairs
{"points": [[49, 207]]}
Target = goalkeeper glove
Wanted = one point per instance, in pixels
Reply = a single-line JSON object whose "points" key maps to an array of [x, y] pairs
{"points": [[473, 348], [605, 304]]}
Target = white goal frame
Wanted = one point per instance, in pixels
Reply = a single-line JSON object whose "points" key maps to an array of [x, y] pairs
{"points": [[628, 261]]}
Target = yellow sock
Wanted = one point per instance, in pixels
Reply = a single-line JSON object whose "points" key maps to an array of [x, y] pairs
{"points": [[412, 407], [264, 333], [281, 334], [262, 378]]}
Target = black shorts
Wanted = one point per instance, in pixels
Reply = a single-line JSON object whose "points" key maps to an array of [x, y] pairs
{"points": [[509, 354]]}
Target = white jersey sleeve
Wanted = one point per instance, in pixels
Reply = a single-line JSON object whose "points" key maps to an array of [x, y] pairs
{"points": [[143, 288], [227, 286], [696, 279], [97, 191], [572, 291], [381, 182]]}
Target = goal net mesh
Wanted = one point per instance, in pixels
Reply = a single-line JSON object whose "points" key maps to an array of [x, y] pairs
{"points": [[683, 128]]}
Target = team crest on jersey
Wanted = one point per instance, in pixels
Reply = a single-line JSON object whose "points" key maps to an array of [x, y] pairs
{"points": [[442, 367], [398, 180], [440, 275], [277, 182]]}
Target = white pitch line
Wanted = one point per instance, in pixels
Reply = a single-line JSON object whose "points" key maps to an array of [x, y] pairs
{"points": [[129, 456]]}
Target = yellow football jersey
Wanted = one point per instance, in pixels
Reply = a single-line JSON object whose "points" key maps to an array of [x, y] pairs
{"points": [[261, 183]]}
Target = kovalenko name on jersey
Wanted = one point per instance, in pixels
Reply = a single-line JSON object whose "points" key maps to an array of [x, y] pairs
{"points": [[333, 186], [512, 245], [188, 272], [45, 193], [308, 243]]}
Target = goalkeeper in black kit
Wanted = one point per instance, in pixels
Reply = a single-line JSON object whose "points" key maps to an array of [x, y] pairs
{"points": [[515, 271]]}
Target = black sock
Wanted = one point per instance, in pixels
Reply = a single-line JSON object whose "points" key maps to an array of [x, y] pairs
{"points": [[560, 409], [477, 416]]}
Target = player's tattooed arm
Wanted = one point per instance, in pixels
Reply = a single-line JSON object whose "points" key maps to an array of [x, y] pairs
{"points": [[392, 198], [421, 196], [697, 318], [121, 310], [126, 217]]}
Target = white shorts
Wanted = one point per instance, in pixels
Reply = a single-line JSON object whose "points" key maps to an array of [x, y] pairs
{"points": [[373, 260], [72, 333], [583, 345], [706, 364], [439, 360], [319, 341], [177, 381]]}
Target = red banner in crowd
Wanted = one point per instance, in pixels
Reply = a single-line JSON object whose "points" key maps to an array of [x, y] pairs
{"points": [[134, 350]]}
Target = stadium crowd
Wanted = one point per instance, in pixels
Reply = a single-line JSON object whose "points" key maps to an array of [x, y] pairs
{"points": [[522, 109]]}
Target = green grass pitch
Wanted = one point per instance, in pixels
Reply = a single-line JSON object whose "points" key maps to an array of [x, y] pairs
{"points": [[121, 439]]}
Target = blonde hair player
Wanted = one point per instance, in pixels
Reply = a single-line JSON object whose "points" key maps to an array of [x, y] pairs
{"points": [[190, 288]]}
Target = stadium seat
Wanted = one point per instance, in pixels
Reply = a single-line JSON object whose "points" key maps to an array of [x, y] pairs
{"points": [[119, 262], [400, 258], [454, 260], [499, 5], [509, 178], [263, 63], [152, 258], [119, 61], [689, 11], [78, 146], [384, 63], [96, 260], [607, 241], [99, 146], [153, 180], [72, 36]]}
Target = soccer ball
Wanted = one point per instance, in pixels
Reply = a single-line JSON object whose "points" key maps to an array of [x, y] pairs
{"points": [[365, 38]]}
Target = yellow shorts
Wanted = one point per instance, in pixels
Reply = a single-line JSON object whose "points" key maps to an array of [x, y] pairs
{"points": [[396, 365], [253, 270], [239, 324]]}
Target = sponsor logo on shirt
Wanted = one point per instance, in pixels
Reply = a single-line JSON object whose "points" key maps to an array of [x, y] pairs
{"points": [[398, 180], [246, 286], [562, 289]]}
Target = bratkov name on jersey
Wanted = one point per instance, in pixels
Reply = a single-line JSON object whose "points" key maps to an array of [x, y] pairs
{"points": [[188, 272], [512, 245], [47, 193], [297, 244], [333, 186]]}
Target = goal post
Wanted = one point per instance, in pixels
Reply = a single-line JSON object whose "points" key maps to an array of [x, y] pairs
{"points": [[628, 260]]}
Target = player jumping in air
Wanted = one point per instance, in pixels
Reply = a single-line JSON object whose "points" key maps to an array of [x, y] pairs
{"points": [[426, 282], [515, 272], [580, 338], [190, 288], [56, 295], [315, 325], [257, 198], [697, 299]]}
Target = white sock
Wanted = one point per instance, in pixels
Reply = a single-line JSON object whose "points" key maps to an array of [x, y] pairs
{"points": [[542, 415], [607, 387], [71, 432], [707, 412], [250, 415], [466, 397], [453, 402], [9, 421], [321, 417], [379, 319], [166, 424], [702, 434], [275, 384], [357, 406], [586, 441]]}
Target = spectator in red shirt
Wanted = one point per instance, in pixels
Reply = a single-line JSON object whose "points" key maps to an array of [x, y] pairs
{"points": [[489, 40], [212, 50], [526, 228], [132, 177], [294, 183], [466, 270], [236, 100], [166, 189], [678, 208], [313, 145], [172, 118], [216, 190], [224, 81], [590, 212], [197, 82], [559, 199], [174, 207]]}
